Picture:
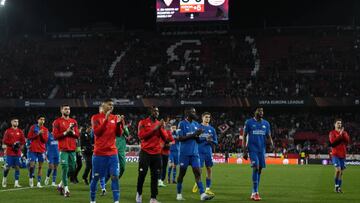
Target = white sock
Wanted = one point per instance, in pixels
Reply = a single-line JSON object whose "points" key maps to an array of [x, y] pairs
{"points": [[207, 188], [60, 184], [66, 189], [16, 182]]}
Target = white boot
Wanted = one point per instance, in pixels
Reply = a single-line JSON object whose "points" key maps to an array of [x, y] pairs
{"points": [[4, 182], [138, 198], [179, 197], [31, 182], [47, 179], [17, 184], [152, 200], [161, 183], [39, 185], [205, 197], [66, 191]]}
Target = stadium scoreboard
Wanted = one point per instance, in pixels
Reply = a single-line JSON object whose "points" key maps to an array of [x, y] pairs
{"points": [[192, 10]]}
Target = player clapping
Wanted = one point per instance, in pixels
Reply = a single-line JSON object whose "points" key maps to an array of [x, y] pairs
{"points": [[106, 127], [150, 132], [189, 133], [14, 140], [339, 138], [38, 134], [65, 130]]}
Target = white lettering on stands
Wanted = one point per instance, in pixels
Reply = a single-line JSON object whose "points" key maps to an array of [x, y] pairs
{"points": [[281, 102]]}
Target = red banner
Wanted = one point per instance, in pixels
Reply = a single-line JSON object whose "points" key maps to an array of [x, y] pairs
{"points": [[269, 160], [192, 6]]}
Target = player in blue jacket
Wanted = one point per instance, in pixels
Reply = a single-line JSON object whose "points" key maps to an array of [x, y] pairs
{"points": [[52, 154], [174, 155], [256, 132], [189, 137], [207, 139]]}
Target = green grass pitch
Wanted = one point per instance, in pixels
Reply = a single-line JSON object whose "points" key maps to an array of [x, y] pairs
{"points": [[231, 183]]}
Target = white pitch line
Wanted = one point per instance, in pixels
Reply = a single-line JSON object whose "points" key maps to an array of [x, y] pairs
{"points": [[23, 188]]}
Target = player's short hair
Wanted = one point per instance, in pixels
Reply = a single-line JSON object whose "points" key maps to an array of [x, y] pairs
{"points": [[188, 110], [150, 109], [64, 105], [14, 118], [107, 100], [40, 116], [205, 114], [258, 107], [337, 119]]}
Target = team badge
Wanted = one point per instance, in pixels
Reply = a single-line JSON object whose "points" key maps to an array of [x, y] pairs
{"points": [[168, 2]]}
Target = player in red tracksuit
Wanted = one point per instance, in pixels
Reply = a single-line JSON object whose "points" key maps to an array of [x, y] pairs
{"points": [[150, 132], [339, 139], [66, 132], [14, 140], [105, 162], [38, 136], [165, 152]]}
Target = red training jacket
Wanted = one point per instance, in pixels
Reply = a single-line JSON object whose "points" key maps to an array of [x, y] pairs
{"points": [[340, 150], [66, 142], [105, 132], [150, 140], [166, 150], [38, 141], [11, 136]]}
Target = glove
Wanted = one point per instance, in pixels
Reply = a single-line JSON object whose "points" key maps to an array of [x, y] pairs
{"points": [[70, 133], [167, 145], [198, 133], [16, 146]]}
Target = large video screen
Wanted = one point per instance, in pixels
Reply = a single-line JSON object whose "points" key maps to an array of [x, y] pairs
{"points": [[191, 10]]}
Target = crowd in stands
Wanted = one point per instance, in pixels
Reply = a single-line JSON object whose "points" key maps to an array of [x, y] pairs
{"points": [[325, 64]]}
